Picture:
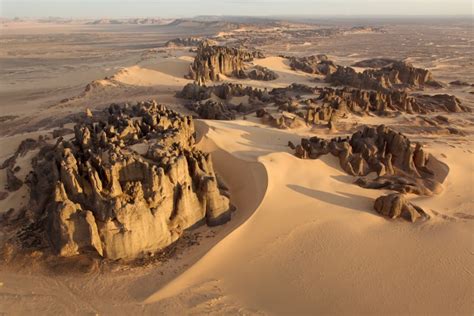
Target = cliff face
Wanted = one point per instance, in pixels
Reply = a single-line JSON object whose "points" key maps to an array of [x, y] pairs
{"points": [[128, 184], [212, 61]]}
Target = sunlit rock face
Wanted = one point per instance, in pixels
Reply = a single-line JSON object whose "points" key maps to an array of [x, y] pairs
{"points": [[128, 183], [213, 61]]}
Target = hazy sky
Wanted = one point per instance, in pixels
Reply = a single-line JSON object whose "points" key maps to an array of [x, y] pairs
{"points": [[186, 8]]}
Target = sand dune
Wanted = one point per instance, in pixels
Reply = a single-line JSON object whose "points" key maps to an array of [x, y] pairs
{"points": [[315, 245]]}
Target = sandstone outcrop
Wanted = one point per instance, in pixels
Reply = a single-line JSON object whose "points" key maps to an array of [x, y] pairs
{"points": [[262, 73], [224, 91], [398, 75], [212, 110], [126, 185], [396, 205], [213, 61], [293, 89], [316, 64], [281, 120], [400, 165], [184, 42], [381, 102]]}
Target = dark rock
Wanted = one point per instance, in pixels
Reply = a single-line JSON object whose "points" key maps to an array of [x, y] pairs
{"points": [[13, 183], [399, 164], [396, 205], [374, 63], [213, 61], [318, 64], [398, 75], [212, 110]]}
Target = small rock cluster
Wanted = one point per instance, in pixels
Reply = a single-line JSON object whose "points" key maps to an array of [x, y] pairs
{"points": [[398, 164], [316, 64], [378, 102]]}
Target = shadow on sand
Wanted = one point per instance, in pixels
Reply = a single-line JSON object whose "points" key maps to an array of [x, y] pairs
{"points": [[347, 200]]}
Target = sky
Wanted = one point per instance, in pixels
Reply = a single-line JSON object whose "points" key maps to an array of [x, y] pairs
{"points": [[189, 8]]}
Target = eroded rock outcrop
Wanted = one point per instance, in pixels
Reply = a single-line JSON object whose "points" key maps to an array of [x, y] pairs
{"points": [[126, 185], [396, 205], [225, 91], [185, 42], [400, 165], [212, 110], [398, 75], [374, 63], [262, 73], [281, 120], [381, 102], [316, 64], [213, 61]]}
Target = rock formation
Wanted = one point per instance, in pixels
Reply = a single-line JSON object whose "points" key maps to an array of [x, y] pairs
{"points": [[398, 75], [224, 91], [126, 185], [213, 61], [281, 120], [316, 64], [212, 110], [400, 165], [381, 102], [262, 73], [396, 205]]}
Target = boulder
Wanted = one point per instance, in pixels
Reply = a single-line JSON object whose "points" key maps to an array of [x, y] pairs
{"points": [[396, 205]]}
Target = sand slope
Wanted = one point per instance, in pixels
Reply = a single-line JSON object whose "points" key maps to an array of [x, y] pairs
{"points": [[315, 245]]}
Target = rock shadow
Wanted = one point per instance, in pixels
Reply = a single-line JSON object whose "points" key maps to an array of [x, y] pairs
{"points": [[342, 199]]}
